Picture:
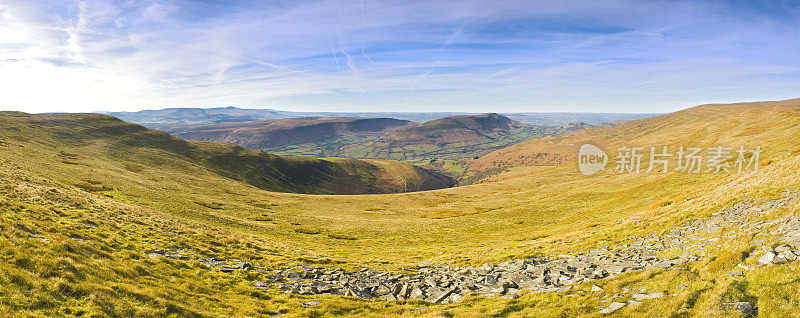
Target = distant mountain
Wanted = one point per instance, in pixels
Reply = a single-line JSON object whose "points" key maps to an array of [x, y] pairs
{"points": [[306, 136], [234, 114], [91, 148], [198, 115], [445, 144]]}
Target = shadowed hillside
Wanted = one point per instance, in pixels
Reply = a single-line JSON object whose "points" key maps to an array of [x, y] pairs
{"points": [[75, 139]]}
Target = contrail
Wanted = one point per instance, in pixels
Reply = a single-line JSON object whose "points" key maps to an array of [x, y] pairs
{"points": [[364, 26], [336, 58], [350, 62]]}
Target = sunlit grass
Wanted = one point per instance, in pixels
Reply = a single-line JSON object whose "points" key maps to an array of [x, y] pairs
{"points": [[143, 197]]}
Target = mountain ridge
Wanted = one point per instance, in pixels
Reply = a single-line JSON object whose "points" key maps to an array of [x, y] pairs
{"points": [[227, 114], [450, 143]]}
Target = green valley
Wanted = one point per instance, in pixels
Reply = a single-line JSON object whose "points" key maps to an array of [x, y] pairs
{"points": [[446, 145]]}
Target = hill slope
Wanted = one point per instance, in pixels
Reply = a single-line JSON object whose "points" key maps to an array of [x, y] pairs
{"points": [[671, 128], [70, 138], [70, 251], [306, 136]]}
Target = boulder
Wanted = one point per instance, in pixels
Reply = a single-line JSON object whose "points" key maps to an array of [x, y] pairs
{"points": [[767, 258], [416, 293]]}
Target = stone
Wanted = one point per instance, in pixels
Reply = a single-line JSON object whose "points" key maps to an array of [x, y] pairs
{"points": [[599, 273], [613, 307], [782, 249], [513, 265], [403, 293], [766, 258], [556, 273], [430, 281], [490, 279], [382, 290], [438, 295], [745, 308], [312, 303], [643, 296], [416, 293], [655, 295], [736, 273]]}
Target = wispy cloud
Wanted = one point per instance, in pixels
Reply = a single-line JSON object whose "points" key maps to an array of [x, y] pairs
{"points": [[400, 55]]}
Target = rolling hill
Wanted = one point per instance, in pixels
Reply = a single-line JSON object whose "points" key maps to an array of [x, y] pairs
{"points": [[68, 138], [311, 137], [451, 142], [135, 240], [555, 151], [445, 145]]}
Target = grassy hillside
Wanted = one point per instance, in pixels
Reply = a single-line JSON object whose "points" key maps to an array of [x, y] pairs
{"points": [[701, 125], [74, 140], [312, 137], [527, 211]]}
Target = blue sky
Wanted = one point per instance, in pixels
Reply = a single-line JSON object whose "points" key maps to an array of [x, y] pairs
{"points": [[362, 55]]}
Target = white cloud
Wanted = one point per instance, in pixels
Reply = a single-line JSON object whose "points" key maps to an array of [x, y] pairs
{"points": [[354, 55]]}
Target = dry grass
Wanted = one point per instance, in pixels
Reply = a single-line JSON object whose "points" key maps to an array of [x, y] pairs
{"points": [[523, 212]]}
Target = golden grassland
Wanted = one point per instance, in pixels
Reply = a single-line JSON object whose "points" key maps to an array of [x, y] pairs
{"points": [[146, 198]]}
